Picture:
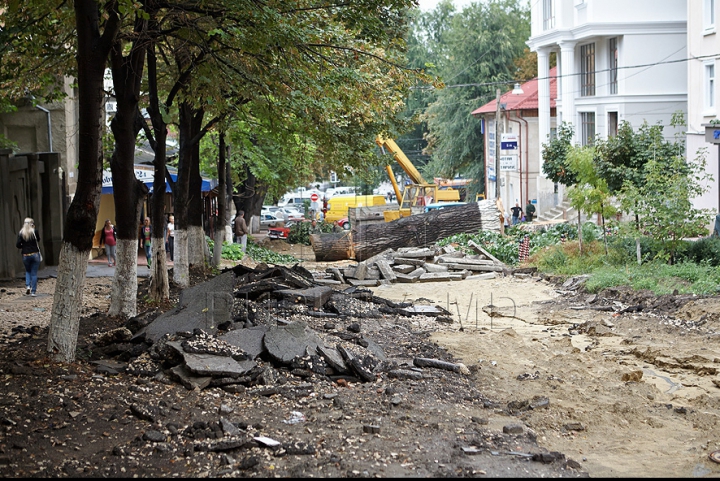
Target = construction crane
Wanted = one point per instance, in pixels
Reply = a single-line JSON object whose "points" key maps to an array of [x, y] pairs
{"points": [[419, 192]]}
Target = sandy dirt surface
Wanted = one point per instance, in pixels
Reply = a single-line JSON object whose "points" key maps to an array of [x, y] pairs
{"points": [[631, 394], [623, 383]]}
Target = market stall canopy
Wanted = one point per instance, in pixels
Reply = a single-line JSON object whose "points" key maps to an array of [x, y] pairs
{"points": [[145, 174]]}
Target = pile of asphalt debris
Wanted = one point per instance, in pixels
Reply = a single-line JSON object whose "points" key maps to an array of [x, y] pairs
{"points": [[251, 327], [418, 264]]}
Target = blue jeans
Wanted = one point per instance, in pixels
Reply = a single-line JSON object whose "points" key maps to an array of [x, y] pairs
{"points": [[148, 253], [32, 263]]}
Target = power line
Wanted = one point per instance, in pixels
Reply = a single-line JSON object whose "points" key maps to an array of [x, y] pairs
{"points": [[507, 82]]}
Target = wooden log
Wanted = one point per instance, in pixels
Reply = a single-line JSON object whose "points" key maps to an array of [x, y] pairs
{"points": [[476, 262], [435, 276], [435, 267], [476, 267], [332, 247], [489, 275], [436, 363], [423, 229], [412, 262], [479, 249], [415, 253]]}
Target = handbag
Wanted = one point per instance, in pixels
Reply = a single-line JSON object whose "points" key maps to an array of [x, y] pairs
{"points": [[38, 246]]}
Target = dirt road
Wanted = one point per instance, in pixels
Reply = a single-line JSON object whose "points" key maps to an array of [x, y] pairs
{"points": [[630, 394], [623, 382]]}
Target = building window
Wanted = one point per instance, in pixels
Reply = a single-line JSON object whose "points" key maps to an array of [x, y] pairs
{"points": [[613, 63], [587, 70], [588, 128], [548, 14], [709, 86], [612, 124], [709, 16]]}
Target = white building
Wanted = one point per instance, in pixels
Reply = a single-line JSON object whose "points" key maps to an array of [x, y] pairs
{"points": [[703, 48], [618, 60], [517, 166]]}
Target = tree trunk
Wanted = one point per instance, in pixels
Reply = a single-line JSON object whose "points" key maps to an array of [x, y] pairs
{"points": [[220, 224], [123, 294], [198, 251], [332, 247], [128, 191], [250, 196], [93, 49], [181, 276], [67, 303], [424, 229], [159, 283], [181, 269]]}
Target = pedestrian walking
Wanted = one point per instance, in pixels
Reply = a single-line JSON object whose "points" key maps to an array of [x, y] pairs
{"points": [[108, 238], [146, 239], [170, 237], [28, 241]]}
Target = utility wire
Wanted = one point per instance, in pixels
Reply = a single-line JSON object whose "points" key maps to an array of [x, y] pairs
{"points": [[506, 82]]}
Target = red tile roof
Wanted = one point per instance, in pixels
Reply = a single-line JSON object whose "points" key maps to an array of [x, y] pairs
{"points": [[527, 101]]}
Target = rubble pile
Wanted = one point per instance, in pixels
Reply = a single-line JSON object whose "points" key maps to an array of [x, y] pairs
{"points": [[273, 328], [412, 264]]}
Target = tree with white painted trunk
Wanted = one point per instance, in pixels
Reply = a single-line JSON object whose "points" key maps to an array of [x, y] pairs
{"points": [[128, 191], [95, 36]]}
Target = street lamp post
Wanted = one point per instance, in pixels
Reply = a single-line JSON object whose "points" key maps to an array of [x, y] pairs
{"points": [[497, 146]]}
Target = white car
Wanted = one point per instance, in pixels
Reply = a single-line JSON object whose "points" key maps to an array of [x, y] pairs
{"points": [[270, 219]]}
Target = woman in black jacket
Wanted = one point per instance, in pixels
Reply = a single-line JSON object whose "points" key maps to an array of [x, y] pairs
{"points": [[28, 242]]}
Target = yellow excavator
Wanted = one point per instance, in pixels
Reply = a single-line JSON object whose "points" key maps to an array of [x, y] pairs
{"points": [[417, 194]]}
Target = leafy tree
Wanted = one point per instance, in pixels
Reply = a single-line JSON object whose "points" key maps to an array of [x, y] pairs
{"points": [[476, 52], [591, 193], [663, 201], [622, 158], [95, 37], [556, 165]]}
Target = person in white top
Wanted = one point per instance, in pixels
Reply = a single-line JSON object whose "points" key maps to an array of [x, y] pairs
{"points": [[170, 237]]}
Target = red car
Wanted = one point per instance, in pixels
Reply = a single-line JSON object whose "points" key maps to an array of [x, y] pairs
{"points": [[282, 232]]}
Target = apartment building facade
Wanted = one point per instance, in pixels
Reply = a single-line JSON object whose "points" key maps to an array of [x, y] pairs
{"points": [[617, 61]]}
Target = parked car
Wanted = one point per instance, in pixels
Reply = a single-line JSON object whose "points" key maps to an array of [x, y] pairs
{"points": [[270, 219], [344, 223], [281, 232], [291, 214]]}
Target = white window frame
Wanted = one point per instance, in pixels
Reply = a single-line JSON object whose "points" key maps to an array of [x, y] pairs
{"points": [[588, 60], [548, 14], [709, 15], [610, 114], [585, 138], [613, 60], [709, 88]]}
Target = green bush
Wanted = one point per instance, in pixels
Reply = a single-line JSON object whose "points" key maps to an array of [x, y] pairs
{"points": [[703, 251], [230, 250]]}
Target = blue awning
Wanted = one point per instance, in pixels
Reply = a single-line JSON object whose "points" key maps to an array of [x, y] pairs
{"points": [[145, 173]]}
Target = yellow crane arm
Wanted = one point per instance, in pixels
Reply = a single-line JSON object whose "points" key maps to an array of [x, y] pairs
{"points": [[401, 159], [396, 187]]}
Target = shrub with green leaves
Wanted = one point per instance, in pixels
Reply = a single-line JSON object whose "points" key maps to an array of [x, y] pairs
{"points": [[230, 250], [703, 251]]}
